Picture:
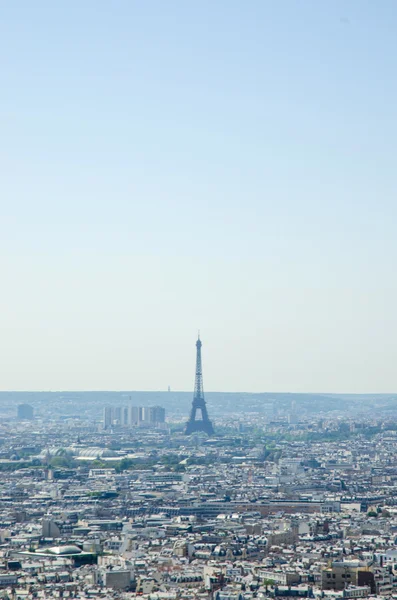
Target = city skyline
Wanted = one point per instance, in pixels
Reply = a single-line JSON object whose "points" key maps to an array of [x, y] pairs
{"points": [[221, 166]]}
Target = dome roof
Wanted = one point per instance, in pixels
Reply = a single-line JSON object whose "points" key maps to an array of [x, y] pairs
{"points": [[61, 550], [109, 453]]}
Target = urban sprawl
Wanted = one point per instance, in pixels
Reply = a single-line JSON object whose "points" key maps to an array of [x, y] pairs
{"points": [[108, 496]]}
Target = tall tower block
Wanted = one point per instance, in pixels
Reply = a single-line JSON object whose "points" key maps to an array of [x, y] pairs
{"points": [[203, 424]]}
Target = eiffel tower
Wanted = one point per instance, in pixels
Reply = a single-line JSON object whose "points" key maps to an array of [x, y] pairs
{"points": [[203, 424]]}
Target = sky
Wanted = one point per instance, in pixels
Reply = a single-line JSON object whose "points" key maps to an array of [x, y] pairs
{"points": [[169, 166]]}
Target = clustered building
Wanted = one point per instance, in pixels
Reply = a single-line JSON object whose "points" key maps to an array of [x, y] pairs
{"points": [[132, 416], [302, 508]]}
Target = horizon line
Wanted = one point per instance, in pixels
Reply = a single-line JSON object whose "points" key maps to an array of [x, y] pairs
{"points": [[166, 391]]}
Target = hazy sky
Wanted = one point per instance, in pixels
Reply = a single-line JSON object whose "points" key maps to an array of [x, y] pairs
{"points": [[228, 165]]}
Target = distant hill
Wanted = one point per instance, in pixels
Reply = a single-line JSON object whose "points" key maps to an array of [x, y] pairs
{"points": [[178, 403]]}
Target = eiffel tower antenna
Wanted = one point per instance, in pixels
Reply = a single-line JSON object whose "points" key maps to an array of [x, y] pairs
{"points": [[203, 424]]}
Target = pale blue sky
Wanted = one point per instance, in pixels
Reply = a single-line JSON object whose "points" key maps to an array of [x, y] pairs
{"points": [[216, 164]]}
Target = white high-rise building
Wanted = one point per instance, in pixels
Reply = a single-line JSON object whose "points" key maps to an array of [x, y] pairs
{"points": [[107, 417]]}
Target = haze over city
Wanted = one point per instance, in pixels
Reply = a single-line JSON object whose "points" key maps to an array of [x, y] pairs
{"points": [[198, 390], [174, 166]]}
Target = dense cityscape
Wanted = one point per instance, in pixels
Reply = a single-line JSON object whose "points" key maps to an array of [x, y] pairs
{"points": [[169, 165], [115, 495]]}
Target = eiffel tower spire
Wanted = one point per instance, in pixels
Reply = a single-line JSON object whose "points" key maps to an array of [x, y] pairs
{"points": [[203, 424]]}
